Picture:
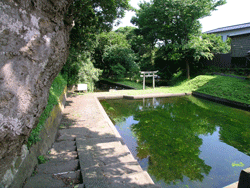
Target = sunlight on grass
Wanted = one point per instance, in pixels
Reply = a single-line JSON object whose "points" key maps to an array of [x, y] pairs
{"points": [[219, 86]]}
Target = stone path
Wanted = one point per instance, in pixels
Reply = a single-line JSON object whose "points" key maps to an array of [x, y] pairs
{"points": [[88, 152]]}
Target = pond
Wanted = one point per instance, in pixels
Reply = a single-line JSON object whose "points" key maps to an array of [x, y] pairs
{"points": [[104, 85], [184, 141]]}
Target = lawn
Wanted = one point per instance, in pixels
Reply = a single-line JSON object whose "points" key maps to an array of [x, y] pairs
{"points": [[219, 86]]}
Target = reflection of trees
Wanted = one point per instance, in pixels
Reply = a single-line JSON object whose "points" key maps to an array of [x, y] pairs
{"points": [[234, 124], [171, 140], [169, 128]]}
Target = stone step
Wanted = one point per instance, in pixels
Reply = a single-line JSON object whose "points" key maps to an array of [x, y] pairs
{"points": [[134, 180], [142, 179], [111, 170], [65, 135], [64, 179], [52, 167], [101, 152], [63, 151], [63, 146], [44, 181], [62, 157]]}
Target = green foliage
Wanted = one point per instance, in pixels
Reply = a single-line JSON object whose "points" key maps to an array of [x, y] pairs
{"points": [[121, 61], [228, 88], [175, 24], [80, 69], [118, 71], [114, 56], [217, 44], [91, 18], [55, 92], [127, 82], [88, 74], [198, 47], [41, 159]]}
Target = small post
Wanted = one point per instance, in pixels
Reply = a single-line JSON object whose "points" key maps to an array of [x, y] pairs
{"points": [[143, 81], [153, 80]]}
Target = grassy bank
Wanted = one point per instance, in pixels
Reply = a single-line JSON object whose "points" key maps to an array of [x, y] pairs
{"points": [[229, 88], [219, 86], [133, 84], [55, 92]]}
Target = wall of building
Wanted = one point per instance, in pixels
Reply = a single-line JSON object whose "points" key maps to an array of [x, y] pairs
{"points": [[240, 45], [225, 34]]}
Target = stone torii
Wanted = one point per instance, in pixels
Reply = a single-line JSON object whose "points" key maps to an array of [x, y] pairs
{"points": [[145, 74]]}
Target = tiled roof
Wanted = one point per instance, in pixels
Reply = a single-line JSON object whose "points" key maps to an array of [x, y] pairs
{"points": [[230, 28]]}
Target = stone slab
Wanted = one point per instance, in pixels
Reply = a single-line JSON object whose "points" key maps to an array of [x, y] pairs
{"points": [[44, 181], [100, 152], [67, 156], [64, 146], [52, 167], [135, 180], [233, 185]]}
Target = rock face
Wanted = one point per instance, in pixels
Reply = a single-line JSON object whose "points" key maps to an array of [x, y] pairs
{"points": [[34, 42]]}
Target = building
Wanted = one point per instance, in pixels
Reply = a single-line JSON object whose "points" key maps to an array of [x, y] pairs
{"points": [[233, 30], [240, 43], [240, 50]]}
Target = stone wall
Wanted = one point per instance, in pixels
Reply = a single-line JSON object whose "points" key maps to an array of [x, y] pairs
{"points": [[22, 166], [34, 42]]}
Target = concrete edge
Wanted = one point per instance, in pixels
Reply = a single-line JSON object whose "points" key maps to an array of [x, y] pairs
{"points": [[151, 95], [233, 185], [155, 95], [28, 160], [117, 134], [223, 101], [244, 180]]}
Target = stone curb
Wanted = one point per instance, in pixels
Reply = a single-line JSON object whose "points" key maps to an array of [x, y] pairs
{"points": [[244, 180], [117, 134], [151, 95], [226, 102]]}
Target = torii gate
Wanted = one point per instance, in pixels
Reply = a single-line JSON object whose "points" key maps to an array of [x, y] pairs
{"points": [[145, 74]]}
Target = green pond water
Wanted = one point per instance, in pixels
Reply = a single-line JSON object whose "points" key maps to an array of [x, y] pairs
{"points": [[184, 141]]}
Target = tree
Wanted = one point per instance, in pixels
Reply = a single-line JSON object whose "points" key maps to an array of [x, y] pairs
{"points": [[114, 56], [120, 62], [218, 46], [174, 22], [90, 18], [140, 46]]}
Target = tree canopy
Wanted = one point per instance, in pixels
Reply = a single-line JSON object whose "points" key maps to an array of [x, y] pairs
{"points": [[175, 23]]}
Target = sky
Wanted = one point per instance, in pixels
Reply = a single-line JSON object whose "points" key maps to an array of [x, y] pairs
{"points": [[234, 12]]}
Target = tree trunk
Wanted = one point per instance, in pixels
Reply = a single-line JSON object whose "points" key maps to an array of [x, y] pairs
{"points": [[34, 42]]}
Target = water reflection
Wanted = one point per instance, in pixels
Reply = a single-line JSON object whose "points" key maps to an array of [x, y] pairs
{"points": [[180, 138]]}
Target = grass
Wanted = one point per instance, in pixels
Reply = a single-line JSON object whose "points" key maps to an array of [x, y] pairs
{"points": [[55, 92], [219, 86], [229, 88], [126, 82], [131, 84]]}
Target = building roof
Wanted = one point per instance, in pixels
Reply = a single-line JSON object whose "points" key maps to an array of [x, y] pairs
{"points": [[230, 28]]}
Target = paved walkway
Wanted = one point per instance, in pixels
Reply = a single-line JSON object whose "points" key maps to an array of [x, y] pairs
{"points": [[89, 143]]}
